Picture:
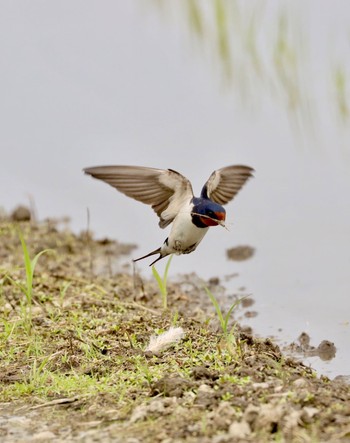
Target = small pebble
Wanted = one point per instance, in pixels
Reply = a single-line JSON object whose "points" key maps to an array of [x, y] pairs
{"points": [[21, 213]]}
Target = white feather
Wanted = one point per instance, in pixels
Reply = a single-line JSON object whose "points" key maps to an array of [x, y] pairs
{"points": [[163, 341]]}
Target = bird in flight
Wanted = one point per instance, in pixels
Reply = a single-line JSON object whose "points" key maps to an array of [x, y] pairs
{"points": [[171, 196]]}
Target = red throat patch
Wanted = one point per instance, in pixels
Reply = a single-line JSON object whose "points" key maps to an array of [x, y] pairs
{"points": [[220, 216], [211, 222]]}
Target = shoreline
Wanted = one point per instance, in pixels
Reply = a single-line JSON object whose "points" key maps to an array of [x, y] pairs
{"points": [[77, 351]]}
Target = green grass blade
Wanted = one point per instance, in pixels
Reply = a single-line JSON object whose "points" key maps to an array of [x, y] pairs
{"points": [[165, 277], [36, 258], [158, 279], [162, 282], [217, 308], [28, 266], [233, 306], [161, 286], [27, 289], [63, 291]]}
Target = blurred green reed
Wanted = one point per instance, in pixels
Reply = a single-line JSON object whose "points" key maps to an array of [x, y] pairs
{"points": [[263, 50]]}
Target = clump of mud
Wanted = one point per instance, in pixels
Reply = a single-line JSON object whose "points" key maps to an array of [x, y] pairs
{"points": [[326, 350], [240, 253]]}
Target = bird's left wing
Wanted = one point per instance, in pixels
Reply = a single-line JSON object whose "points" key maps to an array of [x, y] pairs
{"points": [[225, 183], [164, 189]]}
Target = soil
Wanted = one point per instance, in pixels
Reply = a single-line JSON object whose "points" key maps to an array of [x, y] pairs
{"points": [[74, 365]]}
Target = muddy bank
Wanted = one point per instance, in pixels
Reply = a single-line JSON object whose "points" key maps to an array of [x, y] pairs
{"points": [[74, 365]]}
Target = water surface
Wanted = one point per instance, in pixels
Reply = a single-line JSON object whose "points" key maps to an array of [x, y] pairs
{"points": [[84, 85]]}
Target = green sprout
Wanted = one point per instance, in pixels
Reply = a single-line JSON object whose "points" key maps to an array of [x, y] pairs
{"points": [[162, 282], [224, 319], [27, 288], [63, 291]]}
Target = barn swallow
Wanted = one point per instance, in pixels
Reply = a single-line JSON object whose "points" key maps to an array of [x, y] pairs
{"points": [[171, 196]]}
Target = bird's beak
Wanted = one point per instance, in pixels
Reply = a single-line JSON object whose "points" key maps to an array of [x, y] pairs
{"points": [[220, 218], [221, 223]]}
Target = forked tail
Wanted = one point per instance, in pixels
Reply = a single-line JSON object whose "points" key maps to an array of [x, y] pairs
{"points": [[156, 251]]}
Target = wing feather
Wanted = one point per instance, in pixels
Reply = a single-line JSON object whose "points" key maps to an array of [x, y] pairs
{"points": [[164, 189], [225, 183]]}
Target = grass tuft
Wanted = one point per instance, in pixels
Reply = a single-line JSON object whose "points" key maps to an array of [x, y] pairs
{"points": [[224, 319], [27, 288], [162, 282]]}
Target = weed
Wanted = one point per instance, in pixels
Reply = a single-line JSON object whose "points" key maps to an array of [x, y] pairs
{"points": [[146, 373], [224, 319], [63, 291], [27, 288], [35, 346], [175, 318], [162, 282], [226, 396], [8, 329], [37, 372]]}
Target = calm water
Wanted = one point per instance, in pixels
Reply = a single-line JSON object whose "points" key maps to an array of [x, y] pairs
{"points": [[124, 84]]}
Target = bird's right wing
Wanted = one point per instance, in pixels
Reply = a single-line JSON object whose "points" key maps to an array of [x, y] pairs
{"points": [[164, 189]]}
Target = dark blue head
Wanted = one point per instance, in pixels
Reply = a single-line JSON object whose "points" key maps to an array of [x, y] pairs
{"points": [[207, 213]]}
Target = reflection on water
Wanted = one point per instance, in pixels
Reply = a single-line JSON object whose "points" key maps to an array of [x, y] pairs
{"points": [[124, 85], [268, 49]]}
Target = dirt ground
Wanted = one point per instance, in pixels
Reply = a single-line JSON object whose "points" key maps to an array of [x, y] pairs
{"points": [[75, 364]]}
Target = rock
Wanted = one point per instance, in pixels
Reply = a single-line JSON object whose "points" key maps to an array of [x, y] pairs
{"points": [[326, 350], [300, 383], [156, 406], [239, 430], [21, 213], [205, 389]]}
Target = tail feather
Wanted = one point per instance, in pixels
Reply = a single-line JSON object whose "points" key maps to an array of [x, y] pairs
{"points": [[156, 251]]}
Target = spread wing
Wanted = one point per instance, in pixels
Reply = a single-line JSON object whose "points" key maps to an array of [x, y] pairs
{"points": [[225, 183], [164, 189]]}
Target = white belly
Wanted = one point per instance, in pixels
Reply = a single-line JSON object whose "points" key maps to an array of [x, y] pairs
{"points": [[184, 235]]}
